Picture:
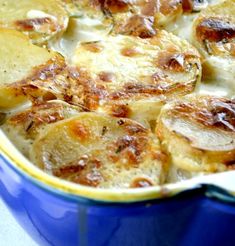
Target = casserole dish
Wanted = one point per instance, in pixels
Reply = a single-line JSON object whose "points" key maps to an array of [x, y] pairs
{"points": [[108, 128], [54, 212]]}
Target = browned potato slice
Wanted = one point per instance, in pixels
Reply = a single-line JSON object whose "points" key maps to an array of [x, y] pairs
{"points": [[199, 134], [214, 36], [31, 72], [101, 151], [141, 17], [19, 61], [135, 76], [41, 20], [23, 127], [138, 18]]}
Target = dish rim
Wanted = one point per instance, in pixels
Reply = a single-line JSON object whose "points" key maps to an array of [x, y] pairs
{"points": [[71, 191]]}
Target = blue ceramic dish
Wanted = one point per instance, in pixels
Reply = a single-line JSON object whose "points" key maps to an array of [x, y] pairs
{"points": [[54, 212]]}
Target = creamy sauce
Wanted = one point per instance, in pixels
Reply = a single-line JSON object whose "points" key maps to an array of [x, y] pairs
{"points": [[83, 29], [33, 13]]}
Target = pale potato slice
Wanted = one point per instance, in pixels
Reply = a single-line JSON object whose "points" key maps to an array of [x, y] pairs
{"points": [[41, 20], [30, 72], [199, 134], [136, 75], [101, 151], [214, 36], [23, 127]]}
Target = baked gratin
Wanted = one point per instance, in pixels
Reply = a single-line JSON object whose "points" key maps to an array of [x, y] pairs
{"points": [[120, 94]]}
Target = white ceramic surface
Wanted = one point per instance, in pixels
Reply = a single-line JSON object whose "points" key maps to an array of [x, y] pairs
{"points": [[11, 233]]}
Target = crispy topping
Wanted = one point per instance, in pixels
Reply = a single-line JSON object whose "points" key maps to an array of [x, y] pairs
{"points": [[215, 30], [149, 8], [148, 90], [139, 25], [91, 178], [79, 130], [72, 167], [169, 61], [130, 52], [133, 129], [93, 47], [128, 149], [115, 6], [46, 71], [214, 113], [194, 5], [45, 24], [106, 76], [168, 6], [83, 171], [141, 183], [38, 115], [122, 111], [187, 5]]}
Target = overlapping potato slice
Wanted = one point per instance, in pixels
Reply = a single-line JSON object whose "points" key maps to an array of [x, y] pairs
{"points": [[199, 134], [182, 25], [141, 17], [138, 18], [30, 72], [23, 127], [132, 77], [214, 36], [41, 20], [100, 151]]}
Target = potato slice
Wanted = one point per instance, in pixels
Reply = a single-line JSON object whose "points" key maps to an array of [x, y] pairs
{"points": [[182, 24], [29, 72], [23, 127], [100, 151], [199, 134], [41, 20], [136, 75], [137, 18], [142, 18], [214, 36]]}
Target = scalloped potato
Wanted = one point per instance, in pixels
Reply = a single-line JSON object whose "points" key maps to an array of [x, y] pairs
{"points": [[23, 127], [100, 151], [136, 75], [199, 134], [29, 72], [125, 106], [22, 63], [214, 36], [41, 20]]}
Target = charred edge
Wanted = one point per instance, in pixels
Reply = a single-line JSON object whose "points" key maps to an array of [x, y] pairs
{"points": [[215, 30]]}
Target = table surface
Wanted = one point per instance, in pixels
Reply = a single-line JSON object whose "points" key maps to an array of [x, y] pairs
{"points": [[10, 232]]}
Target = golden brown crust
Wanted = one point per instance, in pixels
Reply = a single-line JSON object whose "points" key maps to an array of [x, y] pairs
{"points": [[210, 112], [41, 20], [215, 30], [100, 151], [199, 134], [130, 69]]}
